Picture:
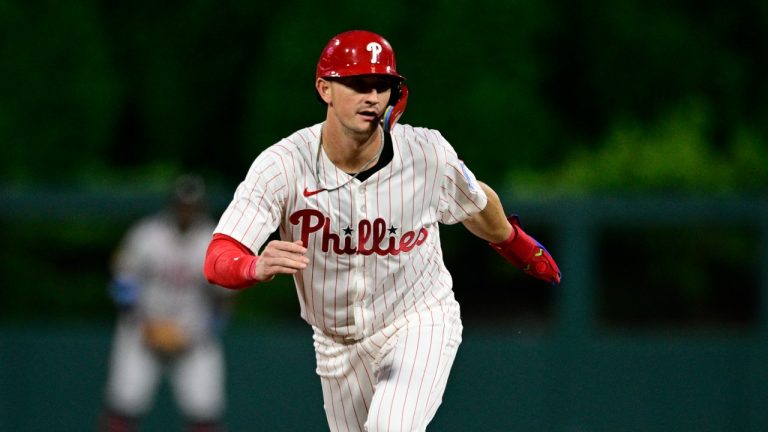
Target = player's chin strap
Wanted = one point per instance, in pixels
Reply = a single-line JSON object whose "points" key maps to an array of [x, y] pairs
{"points": [[393, 112]]}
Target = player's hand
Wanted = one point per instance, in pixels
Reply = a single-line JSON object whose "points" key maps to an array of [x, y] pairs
{"points": [[279, 257], [528, 254]]}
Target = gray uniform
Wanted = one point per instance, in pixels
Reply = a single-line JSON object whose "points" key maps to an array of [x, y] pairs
{"points": [[161, 266]]}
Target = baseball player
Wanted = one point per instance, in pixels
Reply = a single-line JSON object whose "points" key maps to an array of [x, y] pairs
{"points": [[357, 200], [169, 319]]}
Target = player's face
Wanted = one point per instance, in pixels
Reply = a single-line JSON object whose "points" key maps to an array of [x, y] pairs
{"points": [[358, 102]]}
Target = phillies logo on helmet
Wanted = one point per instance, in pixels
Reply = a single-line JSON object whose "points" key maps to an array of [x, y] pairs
{"points": [[375, 49], [357, 52], [373, 237]]}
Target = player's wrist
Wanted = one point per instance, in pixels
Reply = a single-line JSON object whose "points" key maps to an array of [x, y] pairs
{"points": [[521, 245], [508, 239], [516, 234], [249, 269]]}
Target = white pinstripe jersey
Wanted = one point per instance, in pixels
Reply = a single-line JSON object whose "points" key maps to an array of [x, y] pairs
{"points": [[373, 246]]}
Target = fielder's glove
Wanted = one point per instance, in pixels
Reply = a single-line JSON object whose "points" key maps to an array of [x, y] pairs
{"points": [[164, 336], [527, 254]]}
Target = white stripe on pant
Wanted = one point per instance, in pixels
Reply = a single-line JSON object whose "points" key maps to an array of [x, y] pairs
{"points": [[392, 380]]}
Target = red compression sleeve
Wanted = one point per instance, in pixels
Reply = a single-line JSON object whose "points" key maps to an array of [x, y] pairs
{"points": [[228, 263]]}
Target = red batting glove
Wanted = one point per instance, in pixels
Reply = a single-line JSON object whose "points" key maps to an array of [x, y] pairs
{"points": [[527, 254]]}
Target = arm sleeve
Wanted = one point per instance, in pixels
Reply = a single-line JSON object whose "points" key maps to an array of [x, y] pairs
{"points": [[228, 263]]}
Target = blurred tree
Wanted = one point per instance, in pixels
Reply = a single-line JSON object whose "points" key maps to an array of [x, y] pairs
{"points": [[635, 58], [475, 76], [655, 97], [58, 90], [184, 66], [574, 97], [672, 155], [130, 90]]}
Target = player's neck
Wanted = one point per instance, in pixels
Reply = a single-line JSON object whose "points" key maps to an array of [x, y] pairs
{"points": [[349, 151]]}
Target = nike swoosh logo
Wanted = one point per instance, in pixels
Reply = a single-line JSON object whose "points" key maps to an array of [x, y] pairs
{"points": [[309, 193]]}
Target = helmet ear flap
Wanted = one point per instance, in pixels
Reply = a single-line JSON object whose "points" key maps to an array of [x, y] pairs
{"points": [[397, 103], [397, 92]]}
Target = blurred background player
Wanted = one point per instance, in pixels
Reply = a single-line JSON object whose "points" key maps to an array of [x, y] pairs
{"points": [[169, 317]]}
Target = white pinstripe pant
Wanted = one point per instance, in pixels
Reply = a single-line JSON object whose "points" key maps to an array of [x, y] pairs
{"points": [[393, 380]]}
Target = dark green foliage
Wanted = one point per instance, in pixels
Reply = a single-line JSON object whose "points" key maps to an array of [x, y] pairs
{"points": [[105, 89], [540, 98]]}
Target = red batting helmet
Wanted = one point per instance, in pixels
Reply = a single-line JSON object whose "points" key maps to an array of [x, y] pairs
{"points": [[357, 52], [360, 52]]}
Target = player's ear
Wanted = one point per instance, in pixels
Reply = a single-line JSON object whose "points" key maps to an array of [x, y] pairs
{"points": [[323, 90]]}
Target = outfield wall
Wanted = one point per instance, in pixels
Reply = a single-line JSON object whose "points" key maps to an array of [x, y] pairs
{"points": [[579, 371], [503, 380]]}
